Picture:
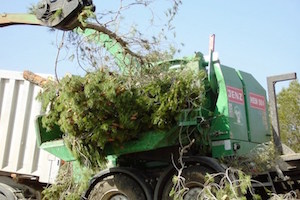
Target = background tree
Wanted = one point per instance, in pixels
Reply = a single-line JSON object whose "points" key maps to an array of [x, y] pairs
{"points": [[289, 115]]}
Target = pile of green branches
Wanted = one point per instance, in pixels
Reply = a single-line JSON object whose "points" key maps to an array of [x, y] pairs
{"points": [[108, 107], [66, 187]]}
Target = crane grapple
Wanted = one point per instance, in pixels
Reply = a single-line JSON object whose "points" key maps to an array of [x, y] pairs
{"points": [[61, 14]]}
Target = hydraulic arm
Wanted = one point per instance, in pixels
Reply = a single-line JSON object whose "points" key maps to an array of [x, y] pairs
{"points": [[15, 19]]}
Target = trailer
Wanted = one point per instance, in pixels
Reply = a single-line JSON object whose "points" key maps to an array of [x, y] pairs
{"points": [[233, 122], [24, 168]]}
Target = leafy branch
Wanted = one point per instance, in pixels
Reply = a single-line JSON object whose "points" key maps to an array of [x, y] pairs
{"points": [[103, 106]]}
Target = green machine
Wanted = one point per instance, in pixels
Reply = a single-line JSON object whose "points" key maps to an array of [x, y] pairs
{"points": [[232, 123], [239, 121]]}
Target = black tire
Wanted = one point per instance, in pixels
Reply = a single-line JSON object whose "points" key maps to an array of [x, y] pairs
{"points": [[6, 192], [117, 187], [194, 180]]}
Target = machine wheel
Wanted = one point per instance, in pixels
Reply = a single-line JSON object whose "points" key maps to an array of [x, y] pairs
{"points": [[6, 192], [194, 180], [117, 187]]}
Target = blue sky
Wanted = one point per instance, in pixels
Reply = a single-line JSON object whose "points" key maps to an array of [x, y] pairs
{"points": [[259, 37]]}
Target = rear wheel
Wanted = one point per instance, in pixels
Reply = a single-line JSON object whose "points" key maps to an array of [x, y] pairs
{"points": [[117, 187], [9, 193], [194, 181]]}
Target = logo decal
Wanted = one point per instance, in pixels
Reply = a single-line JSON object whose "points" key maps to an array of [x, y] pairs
{"points": [[235, 95], [257, 101]]}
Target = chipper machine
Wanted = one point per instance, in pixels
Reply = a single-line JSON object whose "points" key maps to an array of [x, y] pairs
{"points": [[233, 121]]}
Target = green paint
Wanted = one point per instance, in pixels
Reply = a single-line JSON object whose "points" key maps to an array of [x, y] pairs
{"points": [[59, 149], [45, 136], [246, 104], [258, 117], [124, 61], [236, 119], [245, 147], [52, 142], [222, 148], [236, 104], [220, 124], [146, 141]]}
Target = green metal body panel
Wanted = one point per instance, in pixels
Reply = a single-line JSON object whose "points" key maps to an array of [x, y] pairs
{"points": [[52, 142], [54, 134], [257, 109], [220, 124], [245, 147], [236, 105], [59, 149], [241, 113], [146, 142], [230, 122], [223, 148]]}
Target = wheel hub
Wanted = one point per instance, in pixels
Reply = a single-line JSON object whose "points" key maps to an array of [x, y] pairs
{"points": [[193, 193], [119, 197], [114, 194]]}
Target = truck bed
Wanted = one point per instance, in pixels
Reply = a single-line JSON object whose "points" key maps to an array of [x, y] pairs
{"points": [[19, 152]]}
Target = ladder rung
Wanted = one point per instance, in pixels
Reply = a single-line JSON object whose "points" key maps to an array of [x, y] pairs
{"points": [[268, 184]]}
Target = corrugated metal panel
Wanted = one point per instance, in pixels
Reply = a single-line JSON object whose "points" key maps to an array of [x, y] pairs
{"points": [[19, 152]]}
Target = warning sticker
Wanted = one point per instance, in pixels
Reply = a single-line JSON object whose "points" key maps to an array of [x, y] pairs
{"points": [[257, 101], [235, 95]]}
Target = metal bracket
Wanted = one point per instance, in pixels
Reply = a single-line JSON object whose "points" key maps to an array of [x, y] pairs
{"points": [[272, 80]]}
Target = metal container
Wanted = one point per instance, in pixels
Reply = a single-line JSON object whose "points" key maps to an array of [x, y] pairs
{"points": [[19, 152]]}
